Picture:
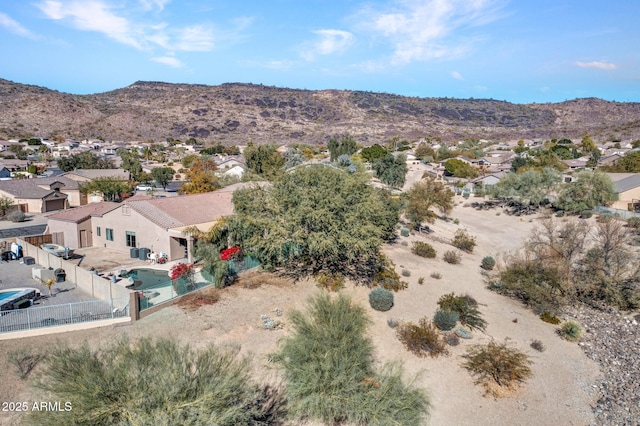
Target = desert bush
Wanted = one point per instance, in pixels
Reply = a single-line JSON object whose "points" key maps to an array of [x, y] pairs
{"points": [[466, 307], [423, 249], [392, 322], [436, 275], [406, 273], [388, 278], [464, 241], [404, 232], [445, 320], [571, 331], [497, 367], [550, 318], [404, 243], [16, 216], [153, 382], [463, 333], [634, 223], [603, 217], [452, 257], [488, 263], [452, 339], [422, 339], [24, 360], [586, 214], [456, 221], [381, 299], [537, 345], [329, 371], [332, 281], [421, 280]]}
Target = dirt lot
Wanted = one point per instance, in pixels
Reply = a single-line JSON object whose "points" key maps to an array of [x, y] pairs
{"points": [[559, 392]]}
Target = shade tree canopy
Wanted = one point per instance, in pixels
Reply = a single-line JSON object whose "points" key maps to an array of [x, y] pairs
{"points": [[425, 196], [391, 169], [591, 189]]}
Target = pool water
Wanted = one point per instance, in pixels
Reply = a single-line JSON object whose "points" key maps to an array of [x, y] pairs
{"points": [[150, 278], [7, 294]]}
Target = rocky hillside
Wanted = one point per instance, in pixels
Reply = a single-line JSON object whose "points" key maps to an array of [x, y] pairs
{"points": [[238, 113]]}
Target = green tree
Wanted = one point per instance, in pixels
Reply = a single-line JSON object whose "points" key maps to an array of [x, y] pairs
{"points": [[131, 163], [162, 176], [201, 177], [425, 152], [423, 197], [519, 162], [589, 190], [391, 170], [314, 219], [373, 153], [111, 188], [460, 169], [152, 382], [328, 366], [588, 145], [84, 160], [345, 146], [630, 163], [529, 187], [5, 204], [264, 160]]}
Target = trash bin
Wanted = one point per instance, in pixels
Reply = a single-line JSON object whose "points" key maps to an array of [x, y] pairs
{"points": [[143, 253], [134, 252], [60, 274]]}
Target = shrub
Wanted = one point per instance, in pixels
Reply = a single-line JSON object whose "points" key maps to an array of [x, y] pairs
{"points": [[423, 249], [406, 273], [456, 221], [404, 232], [488, 263], [445, 320], [388, 278], [381, 299], [330, 281], [452, 257], [586, 214], [497, 366], [436, 275], [452, 339], [422, 339], [421, 280], [571, 331], [24, 360], [537, 345], [466, 306], [16, 216], [404, 244], [634, 223], [464, 241], [464, 333], [153, 382], [392, 322], [549, 317], [328, 366]]}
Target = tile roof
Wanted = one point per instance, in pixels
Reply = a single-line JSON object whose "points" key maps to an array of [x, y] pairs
{"points": [[24, 188], [185, 210], [96, 173], [627, 183], [80, 214]]}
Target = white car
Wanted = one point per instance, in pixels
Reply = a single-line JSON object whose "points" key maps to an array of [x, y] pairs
{"points": [[144, 188]]}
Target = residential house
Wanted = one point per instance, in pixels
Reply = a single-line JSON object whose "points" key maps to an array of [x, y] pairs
{"points": [[627, 186], [86, 175], [4, 172], [35, 195], [76, 224], [575, 164]]}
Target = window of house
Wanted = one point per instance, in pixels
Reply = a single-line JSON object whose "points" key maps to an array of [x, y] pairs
{"points": [[131, 238], [109, 234], [98, 231]]}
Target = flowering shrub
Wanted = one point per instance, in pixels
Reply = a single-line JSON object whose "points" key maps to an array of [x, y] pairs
{"points": [[227, 254], [181, 270]]}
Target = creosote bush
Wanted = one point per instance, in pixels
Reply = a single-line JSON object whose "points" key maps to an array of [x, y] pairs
{"points": [[436, 275], [550, 318], [388, 278], [423, 249], [330, 281], [452, 257], [466, 307], [571, 331], [488, 263], [154, 382], [381, 299], [497, 367], [537, 345], [445, 320], [464, 241], [328, 368], [24, 360], [422, 339]]}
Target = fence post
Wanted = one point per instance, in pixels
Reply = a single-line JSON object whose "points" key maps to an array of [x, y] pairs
{"points": [[111, 301], [71, 312], [28, 319]]}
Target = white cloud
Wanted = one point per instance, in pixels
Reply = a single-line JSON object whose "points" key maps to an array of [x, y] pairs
{"points": [[168, 60], [14, 27], [457, 75], [597, 65], [150, 4], [197, 38], [421, 30], [329, 42]]}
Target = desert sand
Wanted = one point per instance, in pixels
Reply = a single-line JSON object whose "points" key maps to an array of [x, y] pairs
{"points": [[558, 393]]}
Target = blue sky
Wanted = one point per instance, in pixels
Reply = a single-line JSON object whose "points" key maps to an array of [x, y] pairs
{"points": [[520, 50]]}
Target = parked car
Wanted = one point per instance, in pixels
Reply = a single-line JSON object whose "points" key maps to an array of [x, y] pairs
{"points": [[144, 188]]}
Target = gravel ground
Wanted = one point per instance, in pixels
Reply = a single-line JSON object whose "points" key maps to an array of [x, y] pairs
{"points": [[612, 339]]}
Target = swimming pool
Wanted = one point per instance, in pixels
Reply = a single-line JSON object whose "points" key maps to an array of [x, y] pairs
{"points": [[7, 294], [10, 297], [147, 278]]}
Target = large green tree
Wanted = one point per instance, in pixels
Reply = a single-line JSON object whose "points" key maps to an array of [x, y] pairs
{"points": [[264, 160], [111, 188], [313, 219], [373, 153], [630, 163], [460, 169], [131, 163], [345, 146], [162, 176], [391, 170], [423, 197], [591, 188], [529, 187], [201, 177], [84, 160]]}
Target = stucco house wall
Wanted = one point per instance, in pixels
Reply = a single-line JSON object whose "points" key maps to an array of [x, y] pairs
{"points": [[626, 197]]}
